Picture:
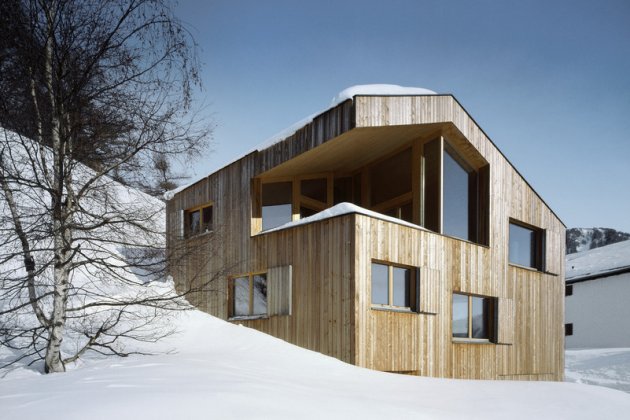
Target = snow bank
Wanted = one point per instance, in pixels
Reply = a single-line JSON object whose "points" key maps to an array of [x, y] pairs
{"points": [[339, 210], [348, 93], [604, 367], [596, 261], [224, 371]]}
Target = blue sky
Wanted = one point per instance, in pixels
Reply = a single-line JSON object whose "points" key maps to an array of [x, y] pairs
{"points": [[548, 81]]}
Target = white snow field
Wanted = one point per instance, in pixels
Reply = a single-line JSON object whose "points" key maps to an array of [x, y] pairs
{"points": [[604, 367], [217, 370]]}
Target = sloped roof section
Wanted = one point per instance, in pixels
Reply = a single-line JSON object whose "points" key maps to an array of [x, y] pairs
{"points": [[598, 262]]}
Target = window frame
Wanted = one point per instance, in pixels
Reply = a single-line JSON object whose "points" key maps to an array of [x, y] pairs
{"points": [[413, 292], [231, 296], [539, 245], [491, 321], [187, 214]]}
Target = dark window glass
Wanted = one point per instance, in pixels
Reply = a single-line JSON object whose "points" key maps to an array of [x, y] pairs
{"points": [[480, 317], [241, 296], [391, 178], [276, 204], [568, 290], [525, 246], [460, 315], [306, 212], [402, 287], [380, 284], [260, 294], [342, 190], [568, 329], [315, 189], [207, 218], [456, 198]]}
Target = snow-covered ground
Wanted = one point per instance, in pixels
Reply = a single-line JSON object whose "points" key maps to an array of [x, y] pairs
{"points": [[604, 367], [218, 370]]}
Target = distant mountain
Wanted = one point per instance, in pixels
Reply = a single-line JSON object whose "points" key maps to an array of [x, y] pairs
{"points": [[583, 239]]}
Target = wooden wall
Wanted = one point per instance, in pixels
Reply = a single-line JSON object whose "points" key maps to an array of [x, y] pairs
{"points": [[331, 259]]}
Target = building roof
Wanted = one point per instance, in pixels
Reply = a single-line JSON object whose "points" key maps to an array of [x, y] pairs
{"points": [[599, 262], [344, 95]]}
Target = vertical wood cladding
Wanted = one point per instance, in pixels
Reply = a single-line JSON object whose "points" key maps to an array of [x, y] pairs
{"points": [[331, 259]]}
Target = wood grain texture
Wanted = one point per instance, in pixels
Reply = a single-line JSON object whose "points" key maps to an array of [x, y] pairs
{"points": [[331, 310]]}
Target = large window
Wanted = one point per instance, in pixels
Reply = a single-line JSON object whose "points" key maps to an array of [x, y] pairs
{"points": [[248, 295], [455, 193], [276, 204], [473, 317], [198, 220], [458, 196], [526, 246], [390, 186], [393, 286]]}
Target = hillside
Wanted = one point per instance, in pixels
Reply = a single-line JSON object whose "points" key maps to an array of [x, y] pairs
{"points": [[223, 371], [583, 239]]}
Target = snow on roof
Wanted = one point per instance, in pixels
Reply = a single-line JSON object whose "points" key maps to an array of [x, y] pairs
{"points": [[598, 261], [344, 95], [339, 210]]}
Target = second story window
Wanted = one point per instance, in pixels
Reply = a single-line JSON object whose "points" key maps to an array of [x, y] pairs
{"points": [[198, 220], [527, 245], [276, 204]]}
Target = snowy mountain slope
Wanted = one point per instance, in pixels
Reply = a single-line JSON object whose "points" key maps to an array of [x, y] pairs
{"points": [[224, 371], [106, 256], [609, 258], [583, 239]]}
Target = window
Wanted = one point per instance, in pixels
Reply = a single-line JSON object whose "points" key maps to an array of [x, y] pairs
{"points": [[455, 196], [568, 329], [458, 197], [390, 186], [393, 287], [248, 295], [198, 220], [473, 317], [568, 290], [276, 204], [526, 246]]}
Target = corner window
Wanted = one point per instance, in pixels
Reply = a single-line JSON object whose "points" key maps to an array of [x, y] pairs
{"points": [[526, 246], [455, 192], [248, 295], [394, 287], [276, 204], [473, 317], [198, 220]]}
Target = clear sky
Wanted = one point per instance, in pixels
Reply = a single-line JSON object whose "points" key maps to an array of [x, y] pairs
{"points": [[548, 81]]}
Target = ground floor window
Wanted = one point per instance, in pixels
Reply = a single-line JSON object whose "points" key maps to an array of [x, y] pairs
{"points": [[248, 295], [394, 286], [473, 317]]}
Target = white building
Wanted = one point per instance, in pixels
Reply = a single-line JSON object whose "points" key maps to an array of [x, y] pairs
{"points": [[598, 297]]}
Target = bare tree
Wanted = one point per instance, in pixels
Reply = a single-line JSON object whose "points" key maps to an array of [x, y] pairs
{"points": [[109, 84]]}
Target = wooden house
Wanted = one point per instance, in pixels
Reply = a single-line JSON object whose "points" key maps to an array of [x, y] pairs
{"points": [[388, 232], [597, 290]]}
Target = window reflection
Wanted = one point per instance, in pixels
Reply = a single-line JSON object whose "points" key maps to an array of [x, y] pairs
{"points": [[460, 315], [276, 204], [402, 286], [456, 198], [380, 284], [241, 296]]}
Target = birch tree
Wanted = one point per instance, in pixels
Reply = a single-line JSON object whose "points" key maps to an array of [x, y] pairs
{"points": [[103, 91]]}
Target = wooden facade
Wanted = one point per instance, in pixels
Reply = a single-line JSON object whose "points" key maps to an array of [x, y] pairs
{"points": [[324, 265]]}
